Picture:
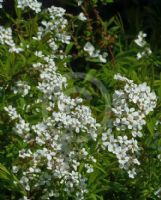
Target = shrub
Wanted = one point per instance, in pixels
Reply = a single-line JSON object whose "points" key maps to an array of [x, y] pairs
{"points": [[71, 134]]}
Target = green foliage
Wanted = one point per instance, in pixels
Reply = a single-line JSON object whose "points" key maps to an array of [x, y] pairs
{"points": [[9, 182], [93, 81]]}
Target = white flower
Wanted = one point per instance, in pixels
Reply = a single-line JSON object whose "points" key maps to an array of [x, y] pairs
{"points": [[89, 168], [102, 59], [148, 51], [80, 2], [140, 40], [132, 173], [89, 48], [1, 1], [139, 56], [39, 54], [84, 152], [82, 17], [15, 169]]}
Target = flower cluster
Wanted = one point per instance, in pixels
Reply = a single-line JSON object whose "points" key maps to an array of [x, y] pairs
{"points": [[140, 41], [21, 88], [93, 53], [130, 107], [21, 127], [12, 112], [6, 38], [55, 152], [125, 149], [57, 23], [72, 115], [56, 130], [32, 4]]}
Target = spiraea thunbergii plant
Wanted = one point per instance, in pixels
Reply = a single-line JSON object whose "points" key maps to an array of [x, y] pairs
{"points": [[56, 144], [53, 153], [130, 107]]}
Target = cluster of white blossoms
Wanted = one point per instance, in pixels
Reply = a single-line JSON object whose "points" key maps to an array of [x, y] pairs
{"points": [[32, 4], [12, 112], [93, 53], [130, 107], [141, 42], [21, 127], [1, 2], [21, 88], [125, 149], [58, 154], [57, 23], [54, 160], [72, 115], [6, 39], [55, 146]]}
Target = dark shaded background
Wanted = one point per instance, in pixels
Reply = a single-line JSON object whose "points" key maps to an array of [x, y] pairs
{"points": [[136, 15]]}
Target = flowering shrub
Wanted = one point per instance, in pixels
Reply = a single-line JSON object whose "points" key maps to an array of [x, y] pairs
{"points": [[130, 119], [60, 145]]}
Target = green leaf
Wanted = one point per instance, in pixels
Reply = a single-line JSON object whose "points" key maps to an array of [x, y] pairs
{"points": [[150, 125], [10, 180], [69, 47]]}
